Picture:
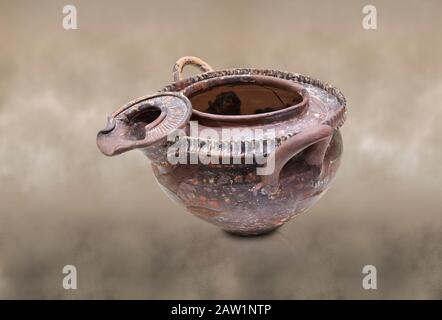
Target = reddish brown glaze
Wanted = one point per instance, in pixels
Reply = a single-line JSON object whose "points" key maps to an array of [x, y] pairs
{"points": [[304, 113]]}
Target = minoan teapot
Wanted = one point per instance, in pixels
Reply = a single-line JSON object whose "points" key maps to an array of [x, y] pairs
{"points": [[244, 149]]}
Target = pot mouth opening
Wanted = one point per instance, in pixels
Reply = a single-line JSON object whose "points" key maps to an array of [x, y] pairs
{"points": [[141, 117], [240, 98], [146, 117]]}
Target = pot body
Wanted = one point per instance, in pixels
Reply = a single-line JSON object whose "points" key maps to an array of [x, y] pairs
{"points": [[302, 115], [232, 197]]}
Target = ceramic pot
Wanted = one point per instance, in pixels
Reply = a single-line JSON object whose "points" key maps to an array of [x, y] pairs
{"points": [[244, 149]]}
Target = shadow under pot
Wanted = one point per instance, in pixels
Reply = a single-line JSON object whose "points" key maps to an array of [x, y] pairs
{"points": [[244, 149]]}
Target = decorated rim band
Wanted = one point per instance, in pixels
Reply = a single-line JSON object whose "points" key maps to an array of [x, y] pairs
{"points": [[172, 117], [335, 120]]}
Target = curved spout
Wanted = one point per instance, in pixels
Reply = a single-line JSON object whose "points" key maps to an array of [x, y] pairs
{"points": [[115, 139], [143, 122]]}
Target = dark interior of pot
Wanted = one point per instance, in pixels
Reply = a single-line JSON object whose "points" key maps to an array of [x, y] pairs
{"points": [[142, 120], [146, 116], [243, 99]]}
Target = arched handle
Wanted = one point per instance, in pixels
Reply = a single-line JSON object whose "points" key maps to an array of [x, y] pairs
{"points": [[317, 138], [179, 65]]}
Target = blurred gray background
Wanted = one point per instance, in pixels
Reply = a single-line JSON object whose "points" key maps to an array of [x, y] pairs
{"points": [[63, 202]]}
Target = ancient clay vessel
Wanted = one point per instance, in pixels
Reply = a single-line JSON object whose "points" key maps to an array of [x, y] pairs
{"points": [[303, 113]]}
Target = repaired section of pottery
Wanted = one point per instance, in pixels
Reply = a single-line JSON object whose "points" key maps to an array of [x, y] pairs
{"points": [[303, 115]]}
